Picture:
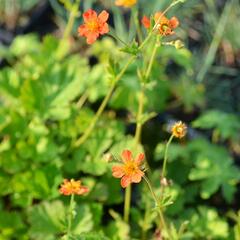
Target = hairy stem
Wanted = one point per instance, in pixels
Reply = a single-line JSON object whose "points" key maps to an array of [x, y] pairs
{"points": [[157, 203], [127, 203], [100, 110], [70, 216], [165, 157], [139, 117], [61, 51]]}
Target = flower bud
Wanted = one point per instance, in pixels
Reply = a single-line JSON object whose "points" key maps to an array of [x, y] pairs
{"points": [[178, 44]]}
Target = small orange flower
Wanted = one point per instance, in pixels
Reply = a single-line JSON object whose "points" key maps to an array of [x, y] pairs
{"points": [[125, 3], [72, 187], [129, 171], [146, 22], [94, 25], [179, 129], [165, 26]]}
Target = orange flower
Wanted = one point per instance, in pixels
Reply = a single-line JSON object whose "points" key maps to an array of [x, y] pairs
{"points": [[94, 25], [165, 26], [125, 3], [146, 22], [179, 129], [72, 187], [129, 171]]}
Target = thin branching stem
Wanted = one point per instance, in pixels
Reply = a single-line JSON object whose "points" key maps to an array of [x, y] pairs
{"points": [[100, 110]]}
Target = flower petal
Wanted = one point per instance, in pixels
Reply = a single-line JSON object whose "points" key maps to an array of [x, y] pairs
{"points": [[82, 30], [82, 190], [89, 15], [139, 158], [173, 22], [146, 22], [127, 156], [159, 17], [92, 37], [117, 171], [125, 181], [137, 177], [104, 29], [103, 16]]}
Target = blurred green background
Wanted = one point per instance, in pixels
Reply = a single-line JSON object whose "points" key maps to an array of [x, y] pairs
{"points": [[47, 102]]}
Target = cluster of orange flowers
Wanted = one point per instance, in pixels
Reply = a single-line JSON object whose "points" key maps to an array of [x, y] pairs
{"points": [[131, 170], [164, 25], [96, 25]]}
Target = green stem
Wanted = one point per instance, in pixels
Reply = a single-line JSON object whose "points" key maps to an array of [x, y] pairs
{"points": [[70, 216], [154, 52], [145, 226], [69, 26], [73, 14], [165, 156], [100, 110], [127, 203], [82, 100], [111, 34], [136, 22], [139, 117], [157, 203]]}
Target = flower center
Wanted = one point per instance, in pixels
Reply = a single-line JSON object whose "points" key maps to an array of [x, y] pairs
{"points": [[130, 168], [164, 27], [179, 129], [92, 25]]}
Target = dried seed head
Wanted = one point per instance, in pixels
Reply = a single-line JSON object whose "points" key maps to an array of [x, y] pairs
{"points": [[179, 129]]}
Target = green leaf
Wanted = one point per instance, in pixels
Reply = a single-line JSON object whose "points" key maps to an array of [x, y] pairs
{"points": [[208, 223], [11, 225], [46, 220], [25, 44], [118, 229], [227, 125], [131, 49], [90, 236], [214, 166]]}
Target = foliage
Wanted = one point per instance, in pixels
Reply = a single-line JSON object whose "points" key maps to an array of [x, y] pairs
{"points": [[48, 100]]}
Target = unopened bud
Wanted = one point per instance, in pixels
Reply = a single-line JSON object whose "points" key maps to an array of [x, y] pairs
{"points": [[108, 157], [178, 44], [164, 182]]}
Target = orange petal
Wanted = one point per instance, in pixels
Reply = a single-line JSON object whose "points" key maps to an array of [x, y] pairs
{"points": [[92, 37], [127, 156], [65, 191], [89, 15], [103, 16], [139, 158], [117, 171], [104, 29], [137, 177], [146, 22], [82, 30], [125, 181], [82, 190], [159, 17], [173, 22]]}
